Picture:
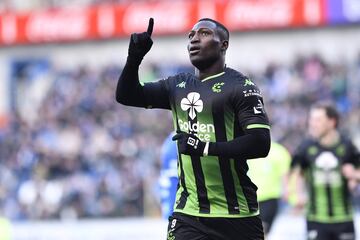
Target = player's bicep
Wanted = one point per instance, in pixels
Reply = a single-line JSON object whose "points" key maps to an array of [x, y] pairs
{"points": [[156, 95], [299, 157], [352, 156], [298, 161]]}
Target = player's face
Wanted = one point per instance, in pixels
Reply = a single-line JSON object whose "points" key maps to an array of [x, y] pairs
{"points": [[319, 123], [204, 45]]}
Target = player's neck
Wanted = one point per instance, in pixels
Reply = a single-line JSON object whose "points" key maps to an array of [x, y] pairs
{"points": [[330, 138], [214, 69]]}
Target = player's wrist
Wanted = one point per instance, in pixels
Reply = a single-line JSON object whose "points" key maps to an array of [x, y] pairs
{"points": [[199, 149], [212, 149], [134, 60]]}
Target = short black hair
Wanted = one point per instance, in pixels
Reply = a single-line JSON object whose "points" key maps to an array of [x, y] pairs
{"points": [[330, 111], [224, 31]]}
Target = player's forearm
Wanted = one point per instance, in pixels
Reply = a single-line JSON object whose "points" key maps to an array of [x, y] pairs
{"points": [[350, 172], [255, 144], [129, 91]]}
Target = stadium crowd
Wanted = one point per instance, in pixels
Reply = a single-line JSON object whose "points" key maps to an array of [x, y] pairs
{"points": [[85, 156]]}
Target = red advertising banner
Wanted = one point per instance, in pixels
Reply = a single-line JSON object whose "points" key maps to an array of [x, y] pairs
{"points": [[258, 14], [171, 17]]}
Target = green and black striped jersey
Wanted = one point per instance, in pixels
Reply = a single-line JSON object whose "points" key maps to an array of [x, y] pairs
{"points": [[216, 109], [329, 197]]}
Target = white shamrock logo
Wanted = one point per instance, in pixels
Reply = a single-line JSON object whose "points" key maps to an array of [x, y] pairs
{"points": [[326, 160], [192, 102]]}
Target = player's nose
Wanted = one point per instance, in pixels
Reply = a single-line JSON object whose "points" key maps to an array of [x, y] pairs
{"points": [[195, 38]]}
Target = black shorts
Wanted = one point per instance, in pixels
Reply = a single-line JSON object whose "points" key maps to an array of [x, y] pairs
{"points": [[185, 227], [268, 211], [330, 231]]}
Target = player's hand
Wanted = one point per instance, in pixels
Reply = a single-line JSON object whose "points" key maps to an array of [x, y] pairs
{"points": [[352, 185], [189, 144], [348, 170], [140, 43]]}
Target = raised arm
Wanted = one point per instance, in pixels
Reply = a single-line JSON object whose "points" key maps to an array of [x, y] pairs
{"points": [[129, 90]]}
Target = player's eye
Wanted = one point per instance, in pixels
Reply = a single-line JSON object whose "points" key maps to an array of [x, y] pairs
{"points": [[190, 35], [205, 33]]}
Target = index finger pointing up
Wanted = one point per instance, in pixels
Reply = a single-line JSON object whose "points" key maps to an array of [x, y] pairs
{"points": [[150, 26]]}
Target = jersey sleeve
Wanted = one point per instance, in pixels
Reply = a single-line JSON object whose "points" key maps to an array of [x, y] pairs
{"points": [[299, 157], [249, 107], [157, 94], [353, 155]]}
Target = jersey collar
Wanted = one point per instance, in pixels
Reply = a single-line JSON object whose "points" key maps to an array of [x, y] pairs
{"points": [[212, 76]]}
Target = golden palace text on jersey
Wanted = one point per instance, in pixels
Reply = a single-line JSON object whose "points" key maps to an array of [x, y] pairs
{"points": [[217, 109], [329, 197]]}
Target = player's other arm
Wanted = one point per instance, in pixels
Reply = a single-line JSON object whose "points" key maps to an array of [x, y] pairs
{"points": [[254, 144], [129, 90], [295, 193], [295, 182], [251, 116]]}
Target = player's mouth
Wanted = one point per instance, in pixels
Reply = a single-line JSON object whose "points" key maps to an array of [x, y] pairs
{"points": [[193, 50]]}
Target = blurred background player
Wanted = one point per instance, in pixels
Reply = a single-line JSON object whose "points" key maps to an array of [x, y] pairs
{"points": [[269, 175], [168, 180], [327, 160]]}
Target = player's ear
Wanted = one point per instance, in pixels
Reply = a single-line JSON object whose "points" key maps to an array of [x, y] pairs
{"points": [[224, 45]]}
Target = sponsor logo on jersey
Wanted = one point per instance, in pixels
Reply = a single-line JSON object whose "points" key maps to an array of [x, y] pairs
{"points": [[193, 105], [181, 85], [326, 169], [196, 127], [259, 108], [327, 161], [252, 92], [193, 142], [248, 82]]}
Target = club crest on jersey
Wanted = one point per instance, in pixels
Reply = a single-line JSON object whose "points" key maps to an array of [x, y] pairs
{"points": [[217, 87], [193, 104]]}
